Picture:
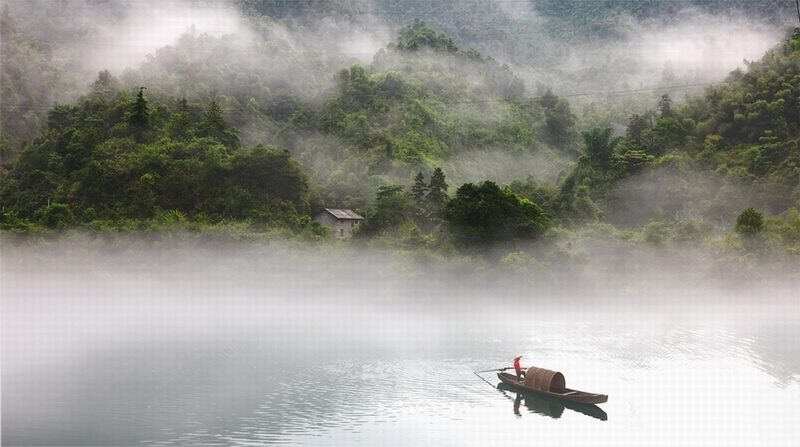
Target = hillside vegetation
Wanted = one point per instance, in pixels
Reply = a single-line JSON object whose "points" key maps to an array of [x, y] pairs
{"points": [[447, 150]]}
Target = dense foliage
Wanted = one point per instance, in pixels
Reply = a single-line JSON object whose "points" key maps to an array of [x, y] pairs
{"points": [[441, 146], [116, 157], [482, 214]]}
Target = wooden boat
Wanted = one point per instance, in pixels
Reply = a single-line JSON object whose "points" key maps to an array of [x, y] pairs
{"points": [[550, 383], [552, 406]]}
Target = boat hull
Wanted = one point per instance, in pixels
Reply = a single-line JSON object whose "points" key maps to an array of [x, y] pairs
{"points": [[568, 395], [551, 406]]}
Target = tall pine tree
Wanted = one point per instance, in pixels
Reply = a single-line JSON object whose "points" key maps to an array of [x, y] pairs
{"points": [[436, 197]]}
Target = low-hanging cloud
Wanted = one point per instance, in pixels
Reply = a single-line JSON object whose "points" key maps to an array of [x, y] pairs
{"points": [[696, 48], [152, 25]]}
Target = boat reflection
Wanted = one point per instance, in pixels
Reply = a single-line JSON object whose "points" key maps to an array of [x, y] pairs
{"points": [[549, 406]]}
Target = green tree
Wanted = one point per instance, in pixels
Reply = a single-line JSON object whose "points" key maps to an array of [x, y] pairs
{"points": [[749, 223], [268, 174], [628, 163], [92, 160], [56, 216], [139, 117], [485, 213], [419, 190], [436, 198], [599, 146], [214, 125], [668, 134], [395, 207], [180, 125], [548, 99], [418, 35], [665, 106], [559, 130], [638, 132]]}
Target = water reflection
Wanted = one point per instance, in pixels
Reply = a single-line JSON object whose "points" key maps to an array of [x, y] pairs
{"points": [[547, 406]]}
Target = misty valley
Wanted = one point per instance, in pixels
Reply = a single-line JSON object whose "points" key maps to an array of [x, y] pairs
{"points": [[260, 222], [244, 120]]}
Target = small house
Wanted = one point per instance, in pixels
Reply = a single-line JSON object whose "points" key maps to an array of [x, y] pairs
{"points": [[340, 221]]}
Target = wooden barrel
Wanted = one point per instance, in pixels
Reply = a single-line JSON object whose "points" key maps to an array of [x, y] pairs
{"points": [[545, 380]]}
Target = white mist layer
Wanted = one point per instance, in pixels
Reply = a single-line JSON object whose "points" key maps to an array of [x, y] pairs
{"points": [[701, 48], [152, 25]]}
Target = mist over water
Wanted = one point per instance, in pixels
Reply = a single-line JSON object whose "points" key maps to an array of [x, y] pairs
{"points": [[160, 344], [235, 345]]}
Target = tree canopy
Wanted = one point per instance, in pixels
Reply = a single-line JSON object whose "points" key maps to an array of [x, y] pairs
{"points": [[115, 156], [485, 213]]}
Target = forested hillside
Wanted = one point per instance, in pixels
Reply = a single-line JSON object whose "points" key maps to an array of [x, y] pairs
{"points": [[452, 126]]}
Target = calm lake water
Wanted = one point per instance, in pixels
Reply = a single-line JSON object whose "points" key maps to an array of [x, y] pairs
{"points": [[235, 351]]}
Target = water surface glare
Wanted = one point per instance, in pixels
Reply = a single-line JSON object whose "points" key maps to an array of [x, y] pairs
{"points": [[241, 351]]}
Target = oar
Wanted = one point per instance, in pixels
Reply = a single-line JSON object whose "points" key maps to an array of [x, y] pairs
{"points": [[492, 370], [490, 383]]}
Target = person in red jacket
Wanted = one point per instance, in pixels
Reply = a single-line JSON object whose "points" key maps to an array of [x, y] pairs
{"points": [[518, 369]]}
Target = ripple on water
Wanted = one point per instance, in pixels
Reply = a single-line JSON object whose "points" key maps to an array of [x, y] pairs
{"points": [[347, 394]]}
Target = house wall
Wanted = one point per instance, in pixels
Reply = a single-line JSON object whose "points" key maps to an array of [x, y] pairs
{"points": [[327, 219], [341, 227], [344, 226]]}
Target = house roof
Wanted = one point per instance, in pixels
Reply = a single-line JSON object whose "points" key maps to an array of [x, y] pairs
{"points": [[344, 214]]}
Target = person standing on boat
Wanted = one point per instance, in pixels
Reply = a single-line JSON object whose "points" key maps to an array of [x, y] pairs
{"points": [[518, 369]]}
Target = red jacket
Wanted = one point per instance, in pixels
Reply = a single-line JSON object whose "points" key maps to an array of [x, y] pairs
{"points": [[517, 368]]}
